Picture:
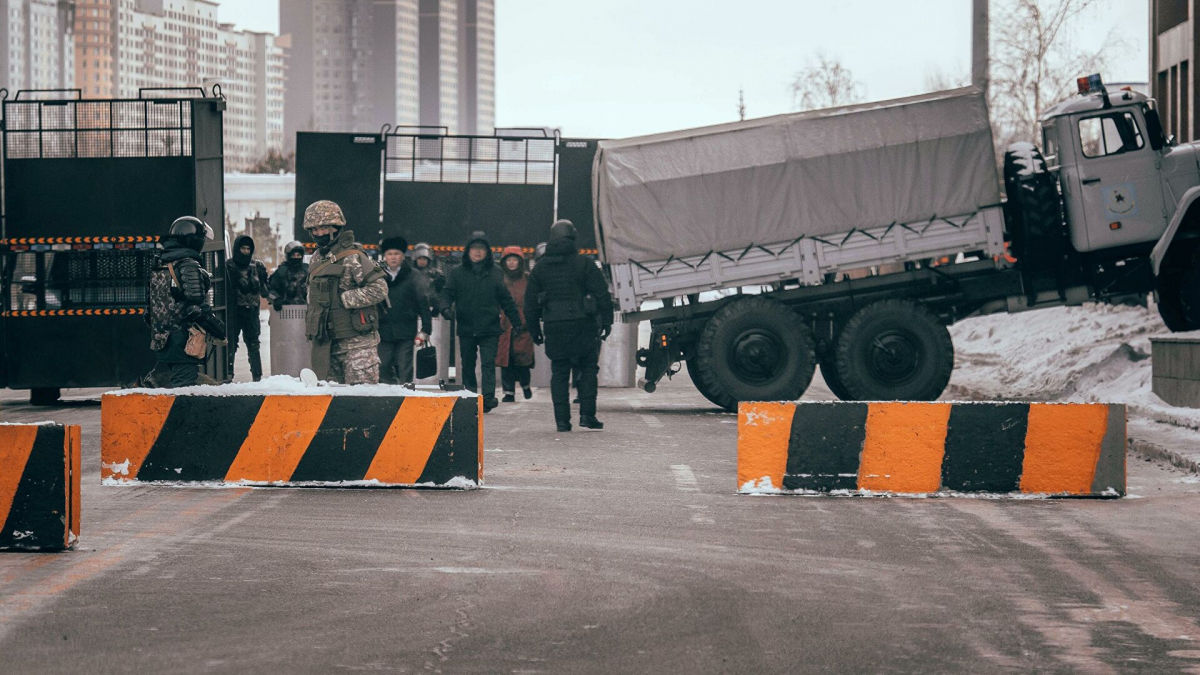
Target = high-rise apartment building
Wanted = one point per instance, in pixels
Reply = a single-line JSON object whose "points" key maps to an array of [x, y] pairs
{"points": [[356, 65], [37, 44], [1174, 33]]}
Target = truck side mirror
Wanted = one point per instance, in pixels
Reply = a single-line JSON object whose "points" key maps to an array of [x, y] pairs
{"points": [[1155, 131]]}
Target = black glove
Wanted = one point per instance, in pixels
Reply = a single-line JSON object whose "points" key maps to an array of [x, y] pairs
{"points": [[211, 324], [605, 331], [536, 334], [278, 305]]}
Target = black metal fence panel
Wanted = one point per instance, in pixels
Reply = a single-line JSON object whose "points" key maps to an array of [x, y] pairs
{"points": [[343, 168]]}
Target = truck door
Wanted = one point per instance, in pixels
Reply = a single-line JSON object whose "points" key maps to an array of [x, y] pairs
{"points": [[1119, 195]]}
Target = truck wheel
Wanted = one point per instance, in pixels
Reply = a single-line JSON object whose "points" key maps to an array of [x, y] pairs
{"points": [[894, 350], [832, 379], [693, 366], [1178, 290], [44, 395], [754, 349], [1034, 209]]}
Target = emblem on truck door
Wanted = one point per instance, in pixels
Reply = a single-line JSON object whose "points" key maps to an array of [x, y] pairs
{"points": [[1119, 199]]}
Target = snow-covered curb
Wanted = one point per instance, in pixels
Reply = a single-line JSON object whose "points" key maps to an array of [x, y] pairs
{"points": [[285, 385]]}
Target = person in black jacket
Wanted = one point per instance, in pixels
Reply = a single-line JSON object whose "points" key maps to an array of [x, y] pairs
{"points": [[567, 295], [398, 326], [288, 284], [475, 295], [248, 278]]}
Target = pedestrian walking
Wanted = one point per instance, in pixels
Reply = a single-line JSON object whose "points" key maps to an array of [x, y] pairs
{"points": [[247, 276], [288, 284], [514, 353], [431, 278], [474, 296], [568, 307], [178, 311], [345, 287], [407, 302]]}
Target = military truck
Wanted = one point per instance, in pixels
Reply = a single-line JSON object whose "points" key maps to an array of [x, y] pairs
{"points": [[851, 237]]}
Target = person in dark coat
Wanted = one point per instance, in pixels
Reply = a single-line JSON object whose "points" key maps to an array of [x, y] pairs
{"points": [[515, 352], [248, 278], [568, 307], [475, 295], [431, 278], [398, 326], [288, 284]]}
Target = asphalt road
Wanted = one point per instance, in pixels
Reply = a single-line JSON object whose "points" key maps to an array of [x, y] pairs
{"points": [[625, 550]]}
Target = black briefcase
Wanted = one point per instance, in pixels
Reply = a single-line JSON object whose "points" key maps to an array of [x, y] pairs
{"points": [[426, 362]]}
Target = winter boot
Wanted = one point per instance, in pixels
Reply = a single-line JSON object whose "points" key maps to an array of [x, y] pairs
{"points": [[528, 393], [489, 403], [590, 422], [509, 397]]}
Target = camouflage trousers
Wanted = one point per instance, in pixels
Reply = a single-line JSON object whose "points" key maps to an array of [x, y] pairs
{"points": [[355, 360]]}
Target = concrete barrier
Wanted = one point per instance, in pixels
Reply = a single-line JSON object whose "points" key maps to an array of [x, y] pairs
{"points": [[291, 439], [1068, 449], [39, 486], [1175, 368]]}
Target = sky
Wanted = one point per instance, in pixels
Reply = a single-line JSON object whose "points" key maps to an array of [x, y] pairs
{"points": [[616, 68]]}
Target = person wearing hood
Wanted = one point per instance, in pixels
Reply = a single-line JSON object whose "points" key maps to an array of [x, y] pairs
{"points": [[475, 295], [398, 327], [288, 284], [514, 354], [568, 307], [427, 273], [177, 304], [247, 276], [345, 287]]}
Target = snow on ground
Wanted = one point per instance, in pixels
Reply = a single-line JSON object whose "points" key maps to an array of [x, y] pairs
{"points": [[1094, 353]]}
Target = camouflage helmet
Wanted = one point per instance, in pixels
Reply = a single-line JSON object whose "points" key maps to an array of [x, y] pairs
{"points": [[323, 212]]}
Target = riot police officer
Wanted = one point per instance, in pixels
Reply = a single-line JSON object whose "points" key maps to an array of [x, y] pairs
{"points": [[568, 307]]}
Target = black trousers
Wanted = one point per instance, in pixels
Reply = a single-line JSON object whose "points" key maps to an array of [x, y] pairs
{"points": [[246, 323], [511, 375], [487, 346], [396, 361], [586, 366]]}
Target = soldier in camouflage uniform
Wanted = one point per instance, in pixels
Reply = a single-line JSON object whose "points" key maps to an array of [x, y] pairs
{"points": [[289, 282], [344, 288]]}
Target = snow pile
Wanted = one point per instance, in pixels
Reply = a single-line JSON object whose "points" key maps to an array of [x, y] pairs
{"points": [[286, 385]]}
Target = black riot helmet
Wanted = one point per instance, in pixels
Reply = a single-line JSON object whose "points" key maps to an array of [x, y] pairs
{"points": [[190, 232], [293, 247], [562, 229]]}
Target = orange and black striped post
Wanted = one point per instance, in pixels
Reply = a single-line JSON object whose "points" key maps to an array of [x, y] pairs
{"points": [[432, 441], [1068, 449], [39, 486]]}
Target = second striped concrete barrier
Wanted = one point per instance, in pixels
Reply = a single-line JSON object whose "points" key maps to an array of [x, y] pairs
{"points": [[292, 439], [39, 486], [1062, 449]]}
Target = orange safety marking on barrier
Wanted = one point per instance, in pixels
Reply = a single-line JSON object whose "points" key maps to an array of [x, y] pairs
{"points": [[904, 446], [76, 477], [405, 448], [278, 438], [129, 425], [1062, 446], [16, 444], [764, 431]]}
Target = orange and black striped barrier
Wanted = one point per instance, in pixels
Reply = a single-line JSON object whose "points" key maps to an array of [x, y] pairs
{"points": [[1062, 449], [428, 441], [39, 486]]}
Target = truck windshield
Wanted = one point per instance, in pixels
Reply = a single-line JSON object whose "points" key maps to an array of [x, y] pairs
{"points": [[1109, 134]]}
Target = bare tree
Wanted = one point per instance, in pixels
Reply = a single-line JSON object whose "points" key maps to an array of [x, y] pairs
{"points": [[824, 83], [941, 80], [1034, 63]]}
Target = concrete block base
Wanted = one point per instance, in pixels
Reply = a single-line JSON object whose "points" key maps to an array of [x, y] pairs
{"points": [[39, 486]]}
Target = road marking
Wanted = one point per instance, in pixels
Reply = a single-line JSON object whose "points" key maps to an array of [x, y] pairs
{"points": [[651, 420], [685, 480]]}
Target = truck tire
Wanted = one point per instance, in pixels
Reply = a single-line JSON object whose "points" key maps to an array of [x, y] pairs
{"points": [[894, 350], [44, 395], [832, 379], [1033, 209], [754, 349], [694, 367], [1178, 291]]}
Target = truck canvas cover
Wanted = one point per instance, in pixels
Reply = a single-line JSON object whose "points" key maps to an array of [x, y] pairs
{"points": [[774, 179]]}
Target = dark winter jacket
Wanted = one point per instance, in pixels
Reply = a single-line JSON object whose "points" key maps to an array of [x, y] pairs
{"points": [[432, 283], [408, 303], [288, 284], [568, 294], [175, 300], [478, 295], [247, 276]]}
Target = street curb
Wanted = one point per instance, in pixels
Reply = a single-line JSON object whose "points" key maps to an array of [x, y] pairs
{"points": [[1158, 452]]}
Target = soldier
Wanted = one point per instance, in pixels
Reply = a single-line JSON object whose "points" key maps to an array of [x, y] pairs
{"points": [[567, 293], [178, 306], [248, 278], [344, 287], [289, 282]]}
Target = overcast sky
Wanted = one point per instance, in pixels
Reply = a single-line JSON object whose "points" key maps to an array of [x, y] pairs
{"points": [[614, 68]]}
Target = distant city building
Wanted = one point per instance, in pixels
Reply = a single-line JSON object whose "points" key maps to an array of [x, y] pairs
{"points": [[263, 197], [355, 65], [1173, 54], [37, 44]]}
